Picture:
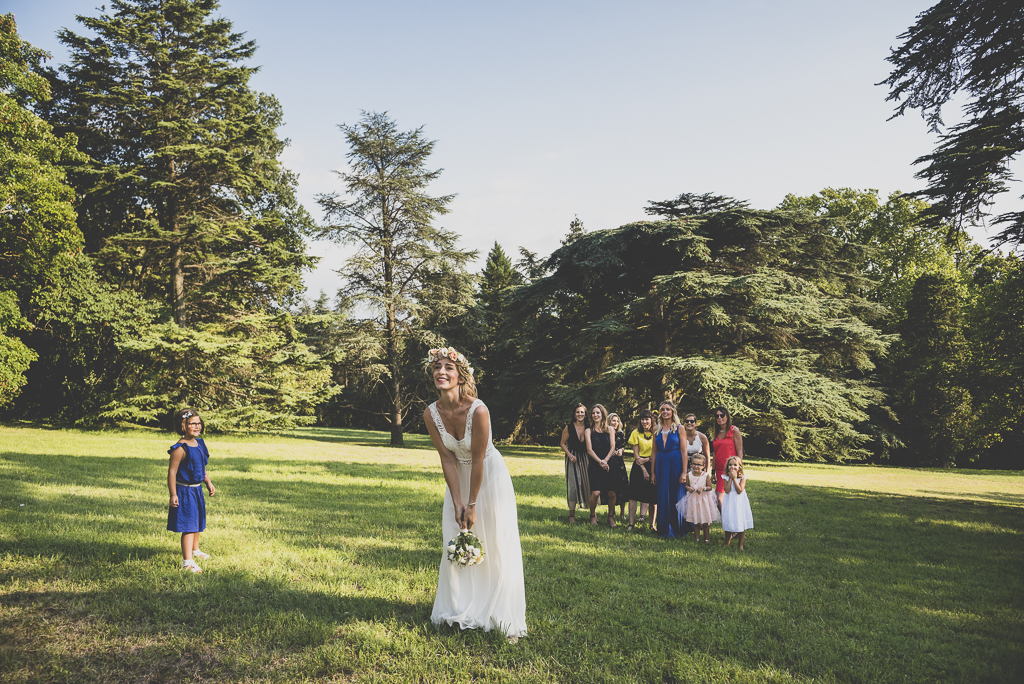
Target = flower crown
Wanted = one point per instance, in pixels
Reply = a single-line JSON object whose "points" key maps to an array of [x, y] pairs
{"points": [[448, 353]]}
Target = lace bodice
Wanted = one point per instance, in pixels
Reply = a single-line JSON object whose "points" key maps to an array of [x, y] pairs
{"points": [[694, 447], [462, 448]]}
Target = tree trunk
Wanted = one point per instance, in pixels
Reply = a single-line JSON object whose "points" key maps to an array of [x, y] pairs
{"points": [[178, 287], [397, 438]]}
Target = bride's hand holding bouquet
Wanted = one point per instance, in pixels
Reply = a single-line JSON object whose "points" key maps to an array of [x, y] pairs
{"points": [[468, 518]]}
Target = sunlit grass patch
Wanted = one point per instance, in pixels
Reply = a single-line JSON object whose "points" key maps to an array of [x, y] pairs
{"points": [[326, 546]]}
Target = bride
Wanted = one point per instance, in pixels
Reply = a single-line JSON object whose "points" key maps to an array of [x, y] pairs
{"points": [[479, 497]]}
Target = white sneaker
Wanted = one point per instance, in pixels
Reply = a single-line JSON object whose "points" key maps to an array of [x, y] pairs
{"points": [[191, 566], [200, 554]]}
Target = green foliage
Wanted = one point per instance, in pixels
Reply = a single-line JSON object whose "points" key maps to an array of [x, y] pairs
{"points": [[756, 310], [975, 49], [15, 357], [405, 270], [498, 280], [80, 322], [996, 339], [932, 399], [187, 214], [352, 349], [185, 200], [692, 204], [902, 246], [37, 221], [251, 372]]}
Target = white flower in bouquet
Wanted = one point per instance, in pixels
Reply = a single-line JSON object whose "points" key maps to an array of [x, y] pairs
{"points": [[466, 549]]}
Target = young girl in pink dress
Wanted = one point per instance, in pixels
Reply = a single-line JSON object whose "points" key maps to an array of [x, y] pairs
{"points": [[698, 506]]}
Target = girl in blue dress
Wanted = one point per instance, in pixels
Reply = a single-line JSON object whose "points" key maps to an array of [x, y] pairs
{"points": [[186, 476], [669, 465]]}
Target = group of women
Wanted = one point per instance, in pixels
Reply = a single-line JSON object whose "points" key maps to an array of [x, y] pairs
{"points": [[595, 471]]}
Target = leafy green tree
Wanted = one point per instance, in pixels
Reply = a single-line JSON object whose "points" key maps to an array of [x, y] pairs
{"points": [[901, 246], [995, 333], [15, 357], [353, 350], [37, 220], [758, 310], [973, 49], [78, 324], [692, 204], [248, 372], [932, 399], [185, 200], [389, 216], [192, 224]]}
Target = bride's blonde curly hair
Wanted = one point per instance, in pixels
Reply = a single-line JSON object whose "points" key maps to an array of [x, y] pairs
{"points": [[467, 385]]}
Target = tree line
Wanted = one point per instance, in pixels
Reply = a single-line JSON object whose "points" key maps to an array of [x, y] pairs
{"points": [[152, 249]]}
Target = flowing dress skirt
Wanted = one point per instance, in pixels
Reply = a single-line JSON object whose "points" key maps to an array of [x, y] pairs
{"points": [[577, 480], [669, 467], [641, 489], [492, 594], [616, 480]]}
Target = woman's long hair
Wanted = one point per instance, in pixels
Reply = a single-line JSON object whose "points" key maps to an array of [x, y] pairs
{"points": [[675, 416], [646, 413], [728, 420], [586, 415], [467, 386]]}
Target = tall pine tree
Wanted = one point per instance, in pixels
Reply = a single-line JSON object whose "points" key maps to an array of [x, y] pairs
{"points": [[403, 265], [185, 199], [185, 203]]}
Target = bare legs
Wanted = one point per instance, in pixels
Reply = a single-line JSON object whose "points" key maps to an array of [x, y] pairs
{"points": [[632, 511], [739, 535], [189, 543], [595, 497], [706, 528]]}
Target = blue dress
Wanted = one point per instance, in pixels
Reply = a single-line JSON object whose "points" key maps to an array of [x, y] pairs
{"points": [[668, 468], [190, 515]]}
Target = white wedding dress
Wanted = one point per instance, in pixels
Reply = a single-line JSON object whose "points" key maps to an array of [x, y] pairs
{"points": [[492, 594]]}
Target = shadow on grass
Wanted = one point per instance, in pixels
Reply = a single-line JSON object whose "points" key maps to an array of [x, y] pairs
{"points": [[842, 584]]}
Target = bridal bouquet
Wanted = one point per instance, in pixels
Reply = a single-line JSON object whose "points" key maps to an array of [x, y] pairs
{"points": [[466, 549]]}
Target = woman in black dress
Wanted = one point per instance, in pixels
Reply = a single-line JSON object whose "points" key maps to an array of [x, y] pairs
{"points": [[641, 484], [574, 444], [600, 447], [618, 478]]}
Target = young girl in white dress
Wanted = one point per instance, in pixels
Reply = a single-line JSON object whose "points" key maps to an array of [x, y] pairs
{"points": [[478, 497], [736, 515]]}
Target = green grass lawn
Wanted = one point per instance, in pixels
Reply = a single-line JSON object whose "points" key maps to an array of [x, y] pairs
{"points": [[326, 546]]}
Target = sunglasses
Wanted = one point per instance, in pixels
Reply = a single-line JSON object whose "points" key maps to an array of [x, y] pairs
{"points": [[690, 420], [719, 415]]}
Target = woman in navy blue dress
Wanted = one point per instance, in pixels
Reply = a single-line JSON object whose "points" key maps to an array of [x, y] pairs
{"points": [[186, 476], [669, 465]]}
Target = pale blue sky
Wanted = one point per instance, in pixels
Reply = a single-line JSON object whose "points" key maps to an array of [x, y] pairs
{"points": [[546, 110]]}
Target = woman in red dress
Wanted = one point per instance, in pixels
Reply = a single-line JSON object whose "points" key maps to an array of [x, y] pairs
{"points": [[728, 442]]}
